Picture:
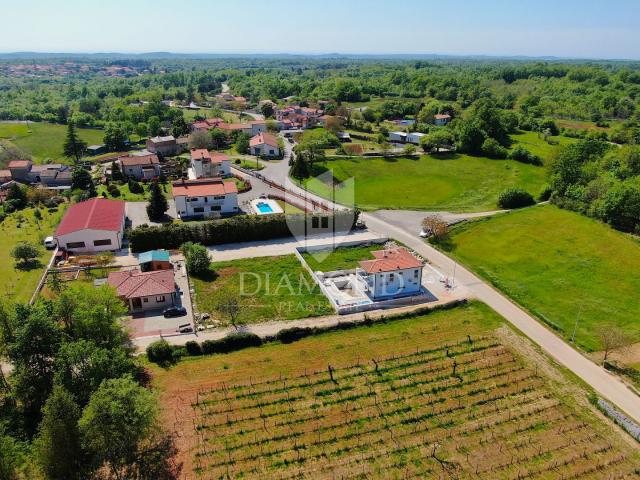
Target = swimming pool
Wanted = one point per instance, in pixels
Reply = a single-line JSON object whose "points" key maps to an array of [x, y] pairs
{"points": [[264, 207]]}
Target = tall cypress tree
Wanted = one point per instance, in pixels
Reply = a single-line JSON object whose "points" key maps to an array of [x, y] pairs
{"points": [[73, 147], [158, 204]]}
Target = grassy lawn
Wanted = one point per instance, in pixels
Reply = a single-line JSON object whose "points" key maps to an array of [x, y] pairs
{"points": [[250, 164], [455, 182], [18, 284], [538, 146], [44, 140], [343, 258], [288, 208], [560, 265], [127, 196], [379, 400], [269, 288]]}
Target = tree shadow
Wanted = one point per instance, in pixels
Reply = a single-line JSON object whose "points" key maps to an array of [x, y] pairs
{"points": [[445, 156], [208, 276], [26, 266]]}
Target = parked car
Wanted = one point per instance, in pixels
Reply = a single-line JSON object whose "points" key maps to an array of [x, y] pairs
{"points": [[49, 243], [186, 328], [425, 233], [174, 312]]}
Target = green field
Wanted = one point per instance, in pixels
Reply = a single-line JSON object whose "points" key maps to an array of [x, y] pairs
{"points": [[448, 394], [17, 284], [43, 141], [343, 258], [562, 266], [538, 146], [454, 182], [127, 196], [268, 288]]}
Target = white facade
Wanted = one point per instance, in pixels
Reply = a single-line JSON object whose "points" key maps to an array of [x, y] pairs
{"points": [[265, 150], [141, 172], [393, 284], [151, 302], [207, 206], [90, 241], [397, 137], [414, 137], [206, 168]]}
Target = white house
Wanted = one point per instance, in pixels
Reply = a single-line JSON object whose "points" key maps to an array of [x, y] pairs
{"points": [[142, 291], [264, 145], [441, 119], [205, 198], [140, 167], [95, 225], [414, 137], [403, 137], [397, 137], [393, 273], [206, 164]]}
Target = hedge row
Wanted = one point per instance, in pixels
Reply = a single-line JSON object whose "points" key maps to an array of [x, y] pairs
{"points": [[242, 228], [163, 353]]}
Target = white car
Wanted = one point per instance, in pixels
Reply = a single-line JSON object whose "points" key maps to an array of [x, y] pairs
{"points": [[49, 243], [425, 233]]}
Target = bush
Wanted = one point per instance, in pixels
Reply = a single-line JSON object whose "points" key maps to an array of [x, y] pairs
{"points": [[545, 194], [197, 258], [521, 154], [135, 187], [231, 343], [230, 230], [492, 149], [193, 348], [293, 334], [515, 198], [160, 352]]}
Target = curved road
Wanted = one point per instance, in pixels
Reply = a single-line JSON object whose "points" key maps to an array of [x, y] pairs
{"points": [[604, 383]]}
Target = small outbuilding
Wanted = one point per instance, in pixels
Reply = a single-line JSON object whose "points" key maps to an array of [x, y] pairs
{"points": [[154, 260]]}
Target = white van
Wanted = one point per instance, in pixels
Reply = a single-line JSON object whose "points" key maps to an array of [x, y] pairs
{"points": [[49, 243]]}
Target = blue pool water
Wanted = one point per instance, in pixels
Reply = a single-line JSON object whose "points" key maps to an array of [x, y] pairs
{"points": [[264, 207]]}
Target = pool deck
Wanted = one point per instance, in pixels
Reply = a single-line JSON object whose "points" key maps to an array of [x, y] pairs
{"points": [[265, 206]]}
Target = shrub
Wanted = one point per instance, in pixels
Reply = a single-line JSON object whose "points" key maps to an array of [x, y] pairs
{"points": [[160, 352], [193, 348], [197, 258], [231, 343], [235, 229], [545, 194], [492, 149], [293, 334], [135, 187], [521, 154], [515, 198]]}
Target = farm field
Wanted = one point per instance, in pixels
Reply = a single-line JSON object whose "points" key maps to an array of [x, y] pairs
{"points": [[44, 141], [275, 288], [453, 182], [562, 266], [18, 284], [451, 394], [343, 258]]}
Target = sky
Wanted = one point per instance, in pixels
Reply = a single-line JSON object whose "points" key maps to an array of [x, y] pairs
{"points": [[563, 28]]}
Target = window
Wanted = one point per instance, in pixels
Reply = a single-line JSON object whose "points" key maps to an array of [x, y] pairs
{"points": [[416, 273], [206, 199], [392, 277], [145, 300], [216, 208], [198, 209], [219, 197], [160, 299], [325, 222], [100, 243], [75, 245], [271, 152], [315, 222]]}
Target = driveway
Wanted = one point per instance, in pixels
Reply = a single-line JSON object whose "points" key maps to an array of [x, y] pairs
{"points": [[152, 324], [137, 213]]}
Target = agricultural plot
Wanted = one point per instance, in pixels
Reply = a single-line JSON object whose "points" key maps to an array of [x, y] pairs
{"points": [[442, 406]]}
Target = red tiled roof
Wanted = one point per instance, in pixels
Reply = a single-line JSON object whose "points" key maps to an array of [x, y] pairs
{"points": [[203, 188], [441, 116], [234, 126], [257, 122], [390, 261], [199, 153], [132, 160], [218, 157], [5, 173], [95, 214], [136, 284], [263, 138], [19, 163]]}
